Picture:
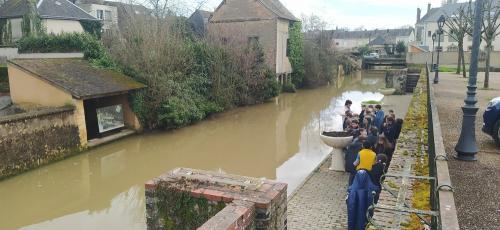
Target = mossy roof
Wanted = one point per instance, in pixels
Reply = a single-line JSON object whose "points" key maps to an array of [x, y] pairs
{"points": [[78, 77]]}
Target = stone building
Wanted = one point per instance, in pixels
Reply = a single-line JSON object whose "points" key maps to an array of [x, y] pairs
{"points": [[265, 21], [114, 15], [349, 40], [100, 96], [56, 16]]}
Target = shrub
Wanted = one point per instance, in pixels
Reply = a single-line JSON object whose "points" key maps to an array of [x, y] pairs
{"points": [[4, 79], [288, 88]]}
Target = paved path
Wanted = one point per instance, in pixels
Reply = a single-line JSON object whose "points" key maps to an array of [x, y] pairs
{"points": [[320, 202]]}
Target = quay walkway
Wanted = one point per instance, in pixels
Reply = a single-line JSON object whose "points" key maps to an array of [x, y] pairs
{"points": [[319, 203]]}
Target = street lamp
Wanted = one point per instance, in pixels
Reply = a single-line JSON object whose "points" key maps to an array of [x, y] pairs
{"points": [[440, 22], [466, 147], [433, 40]]}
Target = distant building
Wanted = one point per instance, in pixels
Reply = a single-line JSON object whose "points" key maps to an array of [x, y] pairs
{"points": [[263, 21], [427, 25], [350, 40], [56, 16], [114, 15], [199, 21]]}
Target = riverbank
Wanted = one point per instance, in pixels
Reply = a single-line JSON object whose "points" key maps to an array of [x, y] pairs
{"points": [[476, 184]]}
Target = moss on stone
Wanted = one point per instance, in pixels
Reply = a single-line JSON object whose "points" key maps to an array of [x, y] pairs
{"points": [[179, 210]]}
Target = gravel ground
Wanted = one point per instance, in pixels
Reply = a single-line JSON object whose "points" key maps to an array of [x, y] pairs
{"points": [[477, 184]]}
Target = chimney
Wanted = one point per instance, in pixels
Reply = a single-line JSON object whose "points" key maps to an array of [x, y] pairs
{"points": [[419, 12], [428, 7]]}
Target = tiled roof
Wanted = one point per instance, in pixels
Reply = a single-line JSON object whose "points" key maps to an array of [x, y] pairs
{"points": [[279, 9], [343, 34], [378, 41], [78, 77], [447, 10], [55, 9]]}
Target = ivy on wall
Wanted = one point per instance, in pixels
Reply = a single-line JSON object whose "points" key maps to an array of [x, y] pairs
{"points": [[92, 27], [5, 32], [31, 24], [296, 53]]}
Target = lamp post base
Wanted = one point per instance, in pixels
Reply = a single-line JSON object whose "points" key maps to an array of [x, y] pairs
{"points": [[466, 147]]}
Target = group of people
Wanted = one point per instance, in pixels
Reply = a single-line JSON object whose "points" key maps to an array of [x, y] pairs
{"points": [[367, 158]]}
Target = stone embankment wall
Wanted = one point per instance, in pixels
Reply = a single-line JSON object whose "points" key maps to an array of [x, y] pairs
{"points": [[32, 139], [196, 199]]}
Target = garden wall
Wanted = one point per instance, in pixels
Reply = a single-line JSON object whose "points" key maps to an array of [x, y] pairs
{"points": [[29, 140]]}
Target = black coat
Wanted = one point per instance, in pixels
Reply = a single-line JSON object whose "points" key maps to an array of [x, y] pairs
{"points": [[377, 171], [351, 155]]}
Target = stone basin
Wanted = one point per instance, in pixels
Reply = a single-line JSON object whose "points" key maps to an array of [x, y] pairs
{"points": [[387, 91], [337, 143]]}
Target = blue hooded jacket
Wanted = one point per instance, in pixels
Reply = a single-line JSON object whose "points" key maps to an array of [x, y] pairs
{"points": [[360, 197], [379, 119]]}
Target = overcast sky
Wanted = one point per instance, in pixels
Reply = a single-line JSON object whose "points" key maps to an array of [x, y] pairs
{"points": [[370, 14]]}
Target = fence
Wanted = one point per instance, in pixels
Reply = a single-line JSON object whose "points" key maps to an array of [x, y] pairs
{"points": [[442, 198]]}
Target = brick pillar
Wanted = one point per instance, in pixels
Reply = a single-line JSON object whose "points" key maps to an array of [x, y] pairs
{"points": [[249, 203]]}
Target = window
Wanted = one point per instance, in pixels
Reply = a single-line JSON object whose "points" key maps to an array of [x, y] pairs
{"points": [[419, 34], [429, 33], [288, 47], [107, 15], [110, 118], [254, 40], [100, 14]]}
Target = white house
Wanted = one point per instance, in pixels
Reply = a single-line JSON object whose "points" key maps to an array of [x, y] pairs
{"points": [[427, 25], [56, 16], [348, 40]]}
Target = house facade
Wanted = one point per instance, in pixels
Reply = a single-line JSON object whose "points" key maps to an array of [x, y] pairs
{"points": [[51, 16], [427, 25], [265, 21], [350, 40], [114, 15], [106, 13]]}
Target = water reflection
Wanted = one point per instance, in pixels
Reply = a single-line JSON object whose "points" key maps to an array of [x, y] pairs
{"points": [[103, 188]]}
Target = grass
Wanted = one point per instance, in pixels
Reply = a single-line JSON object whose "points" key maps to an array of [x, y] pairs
{"points": [[371, 102], [451, 69]]}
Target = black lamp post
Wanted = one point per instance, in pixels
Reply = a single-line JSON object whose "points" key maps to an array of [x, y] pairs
{"points": [[433, 40], [466, 147], [440, 32]]}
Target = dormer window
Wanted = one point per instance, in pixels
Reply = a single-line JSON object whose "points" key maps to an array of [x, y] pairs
{"points": [[100, 14]]}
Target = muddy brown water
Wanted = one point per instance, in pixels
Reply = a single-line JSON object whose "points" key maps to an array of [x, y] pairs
{"points": [[104, 188]]}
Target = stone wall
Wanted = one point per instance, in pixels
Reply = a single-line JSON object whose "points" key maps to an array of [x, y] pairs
{"points": [[396, 78], [208, 200], [32, 139]]}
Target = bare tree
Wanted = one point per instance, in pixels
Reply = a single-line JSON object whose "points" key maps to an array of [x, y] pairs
{"points": [[490, 31], [459, 26]]}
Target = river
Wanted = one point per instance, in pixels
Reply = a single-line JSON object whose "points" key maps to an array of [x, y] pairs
{"points": [[103, 188]]}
